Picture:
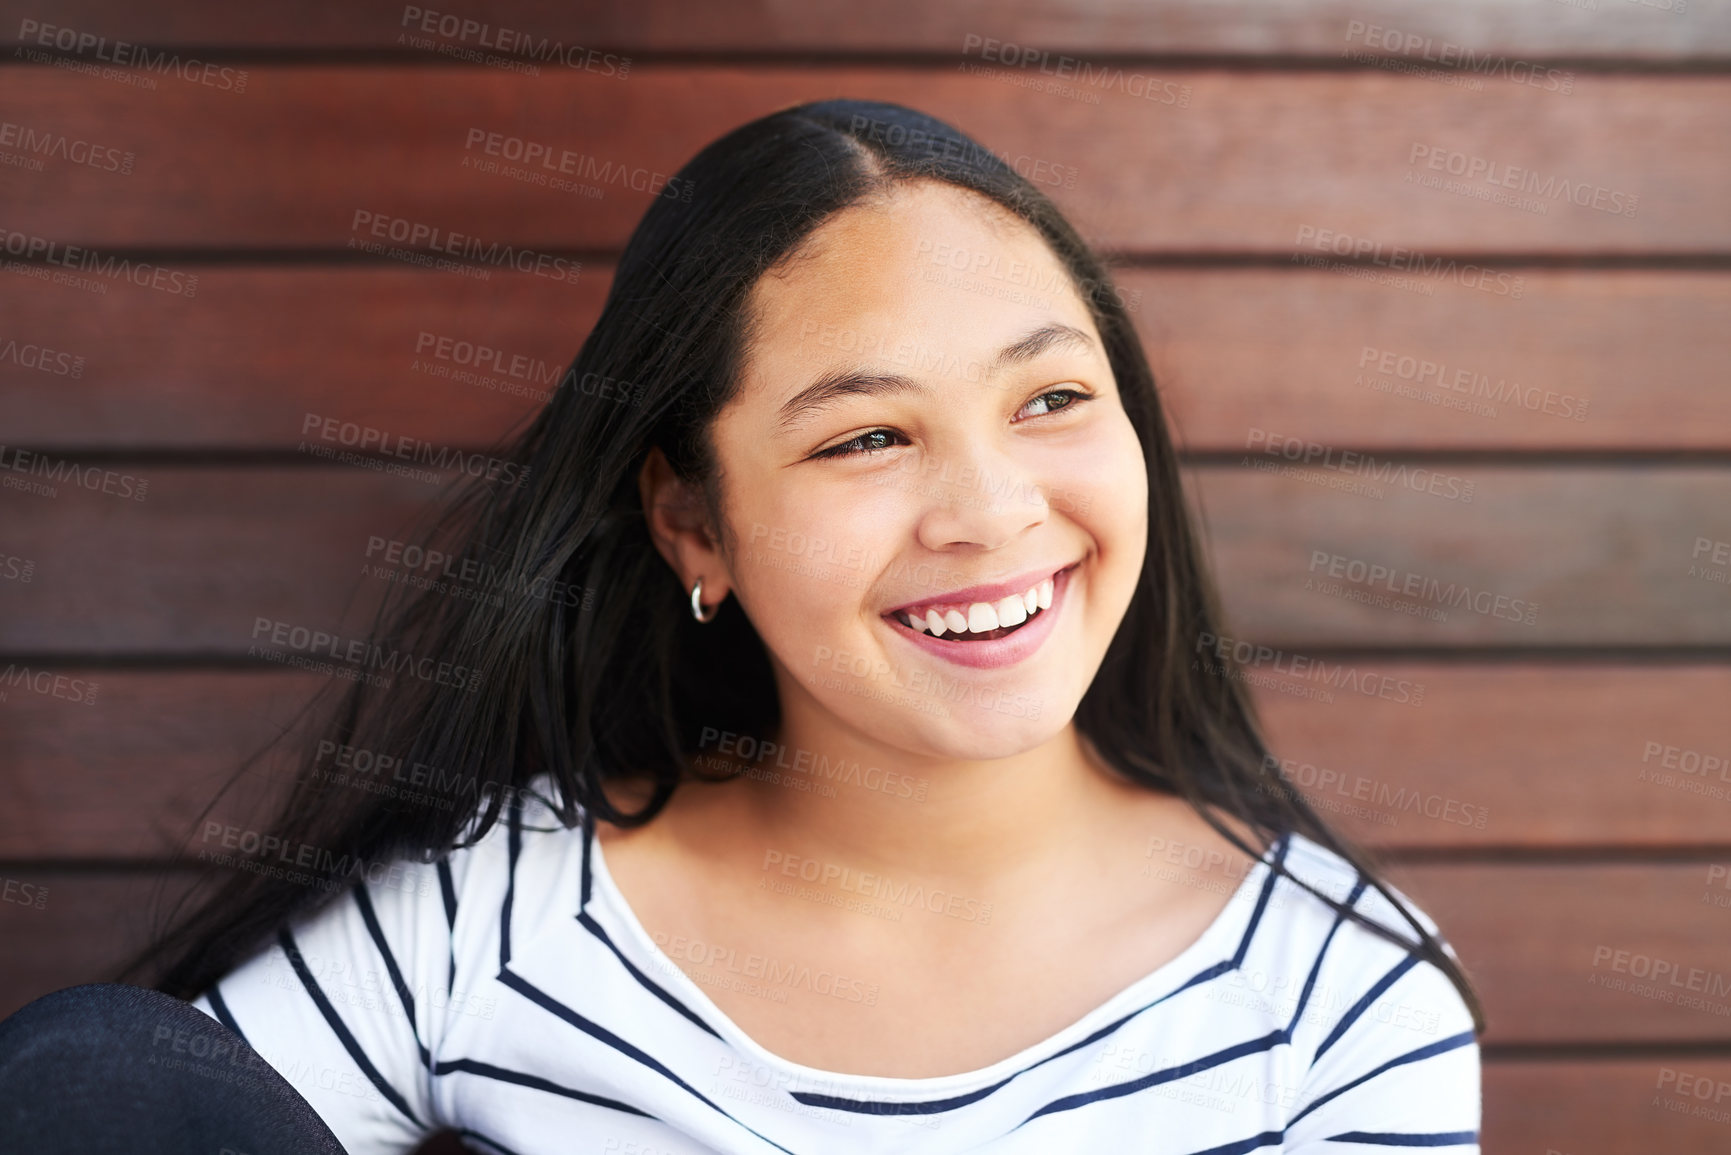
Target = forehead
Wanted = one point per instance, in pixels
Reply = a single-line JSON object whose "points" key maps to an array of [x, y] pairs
{"points": [[929, 274]]}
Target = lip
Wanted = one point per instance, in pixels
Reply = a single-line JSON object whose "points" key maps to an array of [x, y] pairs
{"points": [[994, 653], [996, 592]]}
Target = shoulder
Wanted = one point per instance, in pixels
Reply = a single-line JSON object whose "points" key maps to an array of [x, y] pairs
{"points": [[1380, 1037], [1346, 981], [1316, 870], [530, 856]]}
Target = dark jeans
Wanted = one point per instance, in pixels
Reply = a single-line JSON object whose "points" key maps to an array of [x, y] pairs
{"points": [[109, 1068]]}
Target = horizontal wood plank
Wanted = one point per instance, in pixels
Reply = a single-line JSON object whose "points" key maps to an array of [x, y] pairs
{"points": [[1536, 756], [1656, 31], [1246, 359], [1608, 1107], [128, 769], [78, 927], [1540, 557], [1517, 755], [292, 161], [1588, 952]]}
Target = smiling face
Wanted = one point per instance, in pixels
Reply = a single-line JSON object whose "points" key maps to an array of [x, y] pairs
{"points": [[935, 505]]}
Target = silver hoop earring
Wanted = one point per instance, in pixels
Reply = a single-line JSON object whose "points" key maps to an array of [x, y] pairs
{"points": [[697, 603]]}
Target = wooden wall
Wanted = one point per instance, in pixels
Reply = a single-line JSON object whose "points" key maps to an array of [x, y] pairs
{"points": [[1566, 756]]}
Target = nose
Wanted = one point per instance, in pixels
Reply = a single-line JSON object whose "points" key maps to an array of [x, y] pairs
{"points": [[980, 499]]}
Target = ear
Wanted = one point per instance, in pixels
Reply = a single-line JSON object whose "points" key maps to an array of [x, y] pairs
{"points": [[679, 525]]}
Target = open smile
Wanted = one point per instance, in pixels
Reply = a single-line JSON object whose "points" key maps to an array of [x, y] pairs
{"points": [[986, 626]]}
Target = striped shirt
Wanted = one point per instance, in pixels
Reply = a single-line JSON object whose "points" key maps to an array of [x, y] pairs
{"points": [[508, 992]]}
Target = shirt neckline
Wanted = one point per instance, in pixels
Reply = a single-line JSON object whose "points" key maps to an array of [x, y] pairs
{"points": [[1217, 943]]}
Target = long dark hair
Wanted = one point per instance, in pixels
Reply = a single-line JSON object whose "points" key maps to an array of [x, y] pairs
{"points": [[580, 661]]}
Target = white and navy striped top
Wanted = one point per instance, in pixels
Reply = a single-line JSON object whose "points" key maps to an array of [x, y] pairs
{"points": [[509, 993]]}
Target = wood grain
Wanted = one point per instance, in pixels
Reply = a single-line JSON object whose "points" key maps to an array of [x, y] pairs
{"points": [[1528, 934], [293, 160], [1564, 952], [1256, 358], [1605, 1107], [1522, 756], [1105, 27], [1592, 556]]}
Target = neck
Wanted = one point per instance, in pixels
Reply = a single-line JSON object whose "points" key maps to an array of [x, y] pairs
{"points": [[832, 793]]}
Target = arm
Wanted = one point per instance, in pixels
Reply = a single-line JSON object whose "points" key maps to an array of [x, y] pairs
{"points": [[1398, 1071], [346, 1005]]}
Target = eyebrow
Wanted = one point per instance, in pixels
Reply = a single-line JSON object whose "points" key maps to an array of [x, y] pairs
{"points": [[838, 383]]}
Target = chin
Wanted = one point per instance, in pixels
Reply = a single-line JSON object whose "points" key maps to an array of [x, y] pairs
{"points": [[972, 734]]}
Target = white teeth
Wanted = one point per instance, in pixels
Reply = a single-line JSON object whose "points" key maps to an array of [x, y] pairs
{"points": [[984, 617]]}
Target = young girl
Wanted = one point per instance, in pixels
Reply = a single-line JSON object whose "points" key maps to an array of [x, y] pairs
{"points": [[845, 758]]}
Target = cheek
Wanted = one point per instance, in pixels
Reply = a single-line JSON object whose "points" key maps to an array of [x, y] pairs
{"points": [[808, 551], [1103, 486]]}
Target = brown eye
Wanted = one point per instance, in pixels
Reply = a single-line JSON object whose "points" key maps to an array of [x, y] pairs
{"points": [[871, 441], [1054, 400]]}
